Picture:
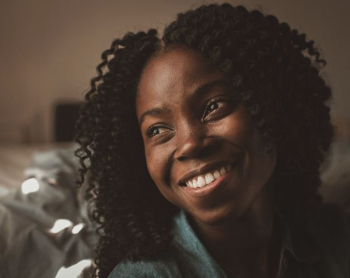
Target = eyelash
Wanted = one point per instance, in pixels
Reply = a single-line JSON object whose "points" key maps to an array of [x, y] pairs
{"points": [[211, 102], [150, 130]]}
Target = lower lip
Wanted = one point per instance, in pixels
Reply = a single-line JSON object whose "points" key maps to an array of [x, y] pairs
{"points": [[209, 188]]}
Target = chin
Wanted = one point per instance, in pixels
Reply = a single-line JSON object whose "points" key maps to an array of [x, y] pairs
{"points": [[218, 217]]}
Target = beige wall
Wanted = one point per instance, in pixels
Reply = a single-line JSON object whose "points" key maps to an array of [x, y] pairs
{"points": [[49, 49]]}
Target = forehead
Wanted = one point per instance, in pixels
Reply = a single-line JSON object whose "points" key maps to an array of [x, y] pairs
{"points": [[171, 75]]}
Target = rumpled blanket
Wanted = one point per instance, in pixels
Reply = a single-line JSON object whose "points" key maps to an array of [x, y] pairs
{"points": [[31, 245]]}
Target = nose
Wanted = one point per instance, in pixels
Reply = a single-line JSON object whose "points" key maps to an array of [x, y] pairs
{"points": [[194, 144]]}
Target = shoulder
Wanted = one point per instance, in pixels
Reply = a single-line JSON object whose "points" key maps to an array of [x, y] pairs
{"points": [[184, 257], [162, 266]]}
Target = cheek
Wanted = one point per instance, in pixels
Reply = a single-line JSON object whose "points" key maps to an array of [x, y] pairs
{"points": [[240, 131], [236, 128], [151, 161], [159, 168], [157, 165], [260, 165]]}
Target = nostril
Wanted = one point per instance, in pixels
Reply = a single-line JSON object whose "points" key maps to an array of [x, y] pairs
{"points": [[188, 152], [181, 158], [196, 149]]}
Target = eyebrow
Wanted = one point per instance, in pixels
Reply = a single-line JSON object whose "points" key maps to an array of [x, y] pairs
{"points": [[207, 87], [199, 91], [154, 112]]}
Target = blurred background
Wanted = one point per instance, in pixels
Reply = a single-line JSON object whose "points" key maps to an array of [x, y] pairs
{"points": [[48, 53], [49, 50]]}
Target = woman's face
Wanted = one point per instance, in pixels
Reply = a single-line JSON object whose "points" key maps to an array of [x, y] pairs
{"points": [[197, 134]]}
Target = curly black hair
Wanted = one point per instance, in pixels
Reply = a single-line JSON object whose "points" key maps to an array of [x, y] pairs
{"points": [[275, 70]]}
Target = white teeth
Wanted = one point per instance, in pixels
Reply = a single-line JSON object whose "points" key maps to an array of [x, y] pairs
{"points": [[217, 174], [222, 170], [209, 178], [201, 181]]}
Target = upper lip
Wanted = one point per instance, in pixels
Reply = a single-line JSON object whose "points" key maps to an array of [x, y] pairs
{"points": [[202, 170]]}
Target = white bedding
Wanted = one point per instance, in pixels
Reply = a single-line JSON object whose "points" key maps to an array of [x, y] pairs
{"points": [[15, 158], [33, 241]]}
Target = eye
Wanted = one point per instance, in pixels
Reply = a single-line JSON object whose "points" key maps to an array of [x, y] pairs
{"points": [[156, 130], [212, 106]]}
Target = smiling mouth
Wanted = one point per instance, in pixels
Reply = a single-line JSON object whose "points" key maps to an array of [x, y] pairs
{"points": [[208, 178]]}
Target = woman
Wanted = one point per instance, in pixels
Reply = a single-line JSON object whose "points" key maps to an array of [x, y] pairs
{"points": [[204, 150]]}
